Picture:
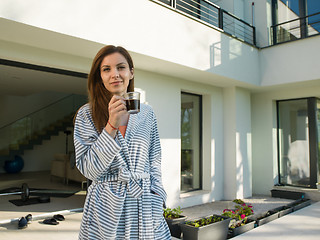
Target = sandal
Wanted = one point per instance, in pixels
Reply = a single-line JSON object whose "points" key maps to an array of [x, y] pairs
{"points": [[23, 223], [59, 217], [50, 221]]}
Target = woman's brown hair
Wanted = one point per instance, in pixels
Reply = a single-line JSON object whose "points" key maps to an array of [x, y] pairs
{"points": [[99, 96]]}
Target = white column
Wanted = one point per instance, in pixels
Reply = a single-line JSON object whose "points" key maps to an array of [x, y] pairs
{"points": [[237, 143]]}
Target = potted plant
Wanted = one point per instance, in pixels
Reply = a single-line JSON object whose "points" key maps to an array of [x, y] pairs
{"points": [[214, 227], [174, 218], [240, 222], [238, 227]]}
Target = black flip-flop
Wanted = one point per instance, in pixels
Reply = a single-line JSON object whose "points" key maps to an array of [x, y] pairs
{"points": [[28, 218], [50, 221], [23, 223], [59, 217]]}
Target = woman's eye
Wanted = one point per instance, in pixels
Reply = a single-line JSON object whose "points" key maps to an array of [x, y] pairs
{"points": [[106, 69], [121, 67]]}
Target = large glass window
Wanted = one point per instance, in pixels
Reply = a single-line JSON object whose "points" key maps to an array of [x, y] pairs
{"points": [[298, 141], [293, 142], [191, 129]]}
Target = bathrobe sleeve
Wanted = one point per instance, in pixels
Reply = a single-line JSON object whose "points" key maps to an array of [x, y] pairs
{"points": [[94, 152], [155, 161]]}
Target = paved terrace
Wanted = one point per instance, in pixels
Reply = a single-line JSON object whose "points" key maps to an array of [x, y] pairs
{"points": [[304, 223]]}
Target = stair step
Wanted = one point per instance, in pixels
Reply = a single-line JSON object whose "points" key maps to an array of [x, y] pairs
{"points": [[37, 137], [14, 146], [4, 152]]}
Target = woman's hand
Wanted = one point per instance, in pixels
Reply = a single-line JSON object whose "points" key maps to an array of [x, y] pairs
{"points": [[117, 108]]}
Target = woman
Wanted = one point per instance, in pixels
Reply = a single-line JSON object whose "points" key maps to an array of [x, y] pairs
{"points": [[120, 153]]}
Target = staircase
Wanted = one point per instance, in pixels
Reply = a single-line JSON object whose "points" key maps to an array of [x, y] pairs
{"points": [[31, 130], [36, 139]]}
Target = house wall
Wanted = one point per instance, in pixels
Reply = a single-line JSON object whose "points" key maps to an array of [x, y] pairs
{"points": [[144, 27], [163, 93], [296, 61], [239, 124]]}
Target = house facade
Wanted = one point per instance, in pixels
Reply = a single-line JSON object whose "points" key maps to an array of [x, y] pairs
{"points": [[234, 84]]}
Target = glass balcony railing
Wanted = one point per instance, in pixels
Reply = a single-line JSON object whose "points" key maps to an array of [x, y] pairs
{"points": [[27, 127], [208, 13], [296, 29]]}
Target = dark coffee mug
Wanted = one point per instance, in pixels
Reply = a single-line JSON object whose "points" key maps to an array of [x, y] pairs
{"points": [[132, 102]]}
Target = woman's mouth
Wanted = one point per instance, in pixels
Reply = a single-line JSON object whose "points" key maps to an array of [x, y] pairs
{"points": [[116, 83]]}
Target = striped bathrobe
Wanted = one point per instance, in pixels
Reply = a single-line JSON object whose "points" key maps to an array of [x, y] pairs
{"points": [[126, 172]]}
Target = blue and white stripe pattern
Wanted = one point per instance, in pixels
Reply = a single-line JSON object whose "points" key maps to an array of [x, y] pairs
{"points": [[126, 172]]}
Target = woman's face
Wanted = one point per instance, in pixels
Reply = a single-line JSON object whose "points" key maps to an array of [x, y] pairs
{"points": [[115, 73]]}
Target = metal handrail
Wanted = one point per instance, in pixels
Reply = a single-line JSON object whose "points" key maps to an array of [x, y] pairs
{"points": [[296, 19], [38, 110], [207, 15], [201, 12], [235, 17], [281, 34], [23, 128]]}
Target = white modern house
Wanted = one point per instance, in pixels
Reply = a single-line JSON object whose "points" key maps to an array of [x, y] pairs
{"points": [[235, 85]]}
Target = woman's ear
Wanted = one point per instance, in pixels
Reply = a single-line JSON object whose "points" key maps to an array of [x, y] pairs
{"points": [[132, 74]]}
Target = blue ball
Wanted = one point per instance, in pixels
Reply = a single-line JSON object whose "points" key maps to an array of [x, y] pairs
{"points": [[14, 166]]}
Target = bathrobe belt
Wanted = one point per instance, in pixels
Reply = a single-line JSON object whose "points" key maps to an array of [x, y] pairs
{"points": [[130, 178]]}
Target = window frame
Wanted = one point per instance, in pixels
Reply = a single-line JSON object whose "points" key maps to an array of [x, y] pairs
{"points": [[200, 142], [313, 140]]}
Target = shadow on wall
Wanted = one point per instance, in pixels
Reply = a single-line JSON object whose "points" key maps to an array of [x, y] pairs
{"points": [[234, 59], [243, 171]]}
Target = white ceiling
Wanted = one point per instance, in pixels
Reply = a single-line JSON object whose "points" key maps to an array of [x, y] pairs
{"points": [[22, 81]]}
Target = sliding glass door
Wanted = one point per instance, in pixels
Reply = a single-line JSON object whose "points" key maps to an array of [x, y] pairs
{"points": [[298, 141]]}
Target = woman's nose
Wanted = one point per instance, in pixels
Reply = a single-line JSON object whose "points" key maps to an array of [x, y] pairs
{"points": [[115, 73]]}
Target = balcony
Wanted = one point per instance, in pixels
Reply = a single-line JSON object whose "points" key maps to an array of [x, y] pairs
{"points": [[212, 15], [295, 29]]}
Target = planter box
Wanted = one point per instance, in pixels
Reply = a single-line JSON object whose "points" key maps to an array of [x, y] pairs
{"points": [[264, 218], [174, 225], [213, 231], [300, 203], [283, 210], [241, 229], [286, 194]]}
